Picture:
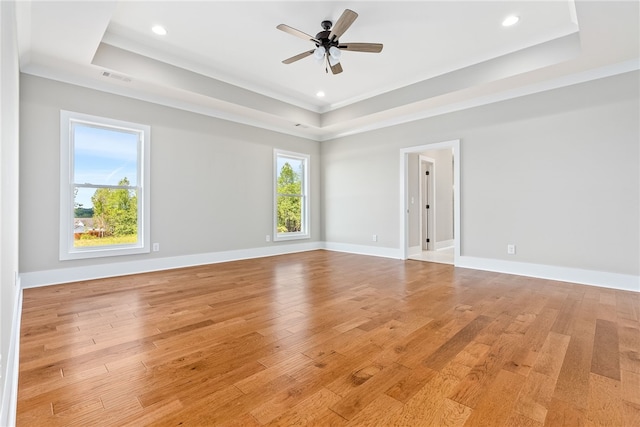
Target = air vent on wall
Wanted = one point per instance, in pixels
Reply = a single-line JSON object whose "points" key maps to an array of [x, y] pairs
{"points": [[116, 76]]}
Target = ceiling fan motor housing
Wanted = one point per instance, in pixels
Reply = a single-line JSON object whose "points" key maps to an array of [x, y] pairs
{"points": [[323, 38]]}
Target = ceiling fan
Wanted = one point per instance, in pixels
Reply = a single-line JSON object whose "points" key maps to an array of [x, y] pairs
{"points": [[328, 47]]}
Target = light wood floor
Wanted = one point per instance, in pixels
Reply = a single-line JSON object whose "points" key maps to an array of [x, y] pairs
{"points": [[326, 338]]}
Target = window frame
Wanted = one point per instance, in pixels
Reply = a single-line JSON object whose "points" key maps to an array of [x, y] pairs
{"points": [[304, 232], [67, 250]]}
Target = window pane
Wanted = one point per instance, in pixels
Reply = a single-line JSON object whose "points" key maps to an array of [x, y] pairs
{"points": [[105, 217], [289, 214], [104, 156], [290, 173]]}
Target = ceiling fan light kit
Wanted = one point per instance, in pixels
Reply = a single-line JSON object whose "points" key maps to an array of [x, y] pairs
{"points": [[334, 53], [328, 47], [319, 53]]}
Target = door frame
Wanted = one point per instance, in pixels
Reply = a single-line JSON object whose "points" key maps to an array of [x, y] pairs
{"points": [[427, 164], [454, 145]]}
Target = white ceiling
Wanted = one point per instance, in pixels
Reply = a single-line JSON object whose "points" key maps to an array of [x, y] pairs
{"points": [[223, 58]]}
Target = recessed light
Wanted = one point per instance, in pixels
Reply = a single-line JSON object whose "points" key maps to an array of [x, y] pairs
{"points": [[320, 94], [159, 30], [510, 20]]}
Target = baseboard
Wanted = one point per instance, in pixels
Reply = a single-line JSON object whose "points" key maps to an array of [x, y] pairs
{"points": [[75, 274], [10, 391], [445, 244], [603, 279], [364, 250]]}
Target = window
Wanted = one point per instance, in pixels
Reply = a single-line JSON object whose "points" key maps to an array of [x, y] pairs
{"points": [[104, 187], [291, 195]]}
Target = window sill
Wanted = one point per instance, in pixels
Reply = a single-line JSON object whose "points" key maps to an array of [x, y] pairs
{"points": [[101, 252], [292, 236]]}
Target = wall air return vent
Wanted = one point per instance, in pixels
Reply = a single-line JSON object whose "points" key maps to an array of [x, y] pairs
{"points": [[116, 76]]}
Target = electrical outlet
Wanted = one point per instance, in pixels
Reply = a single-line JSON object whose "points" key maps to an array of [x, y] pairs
{"points": [[374, 238], [511, 249], [267, 238], [156, 247]]}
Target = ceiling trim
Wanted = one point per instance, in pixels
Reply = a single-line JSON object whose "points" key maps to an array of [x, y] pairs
{"points": [[493, 97]]}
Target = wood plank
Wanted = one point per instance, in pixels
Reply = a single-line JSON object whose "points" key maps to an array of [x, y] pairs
{"points": [[561, 413], [535, 397], [496, 409], [629, 342], [426, 406], [537, 392], [281, 400], [566, 316], [366, 392], [519, 420], [605, 359], [404, 389], [455, 345], [259, 379], [479, 379], [628, 305], [308, 411], [243, 420], [452, 414], [573, 381], [630, 382], [379, 412], [605, 404], [551, 357], [631, 413], [533, 339]]}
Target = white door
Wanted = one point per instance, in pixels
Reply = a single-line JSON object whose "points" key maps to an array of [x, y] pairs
{"points": [[427, 201]]}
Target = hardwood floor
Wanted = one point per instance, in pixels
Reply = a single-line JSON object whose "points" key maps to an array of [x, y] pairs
{"points": [[326, 338]]}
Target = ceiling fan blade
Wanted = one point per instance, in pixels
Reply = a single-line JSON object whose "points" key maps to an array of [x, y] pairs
{"points": [[361, 47], [298, 57], [297, 33], [336, 69], [343, 24]]}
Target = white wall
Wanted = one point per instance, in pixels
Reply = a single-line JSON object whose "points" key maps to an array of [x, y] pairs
{"points": [[211, 180], [556, 173], [9, 76], [361, 190]]}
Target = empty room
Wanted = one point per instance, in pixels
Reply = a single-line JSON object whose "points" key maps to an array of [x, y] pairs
{"points": [[358, 213]]}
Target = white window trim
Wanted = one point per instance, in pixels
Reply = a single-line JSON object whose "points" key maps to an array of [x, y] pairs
{"points": [[305, 233], [67, 251]]}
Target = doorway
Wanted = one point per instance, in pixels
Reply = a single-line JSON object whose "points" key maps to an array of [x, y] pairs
{"points": [[414, 179]]}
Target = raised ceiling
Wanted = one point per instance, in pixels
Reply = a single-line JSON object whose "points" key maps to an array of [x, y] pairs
{"points": [[223, 58]]}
